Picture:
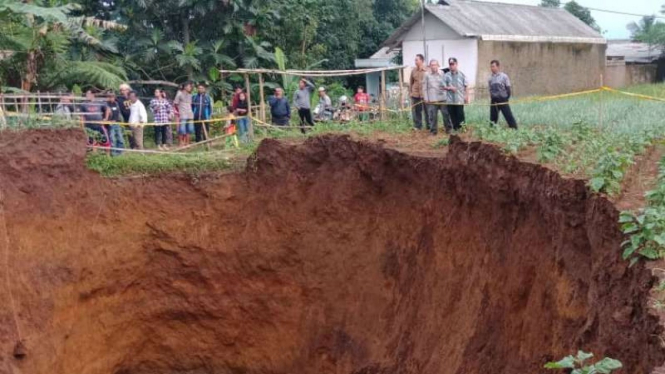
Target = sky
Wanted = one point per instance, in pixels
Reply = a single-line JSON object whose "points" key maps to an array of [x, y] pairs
{"points": [[612, 25]]}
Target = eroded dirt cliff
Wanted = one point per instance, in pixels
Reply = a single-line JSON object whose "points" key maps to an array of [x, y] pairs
{"points": [[329, 257]]}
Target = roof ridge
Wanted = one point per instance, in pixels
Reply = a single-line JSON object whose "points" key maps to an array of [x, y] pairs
{"points": [[499, 3]]}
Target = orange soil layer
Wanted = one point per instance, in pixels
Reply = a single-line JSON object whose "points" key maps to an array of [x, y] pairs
{"points": [[333, 256]]}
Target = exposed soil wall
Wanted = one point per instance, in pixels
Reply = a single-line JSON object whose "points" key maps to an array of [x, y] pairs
{"points": [[329, 257]]}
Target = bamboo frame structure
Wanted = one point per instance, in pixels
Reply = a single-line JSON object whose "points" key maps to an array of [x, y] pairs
{"points": [[383, 100], [313, 73]]}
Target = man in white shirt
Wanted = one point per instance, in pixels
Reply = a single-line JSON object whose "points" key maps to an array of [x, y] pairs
{"points": [[138, 117]]}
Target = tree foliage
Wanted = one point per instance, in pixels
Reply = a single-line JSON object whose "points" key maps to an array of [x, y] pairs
{"points": [[575, 9], [40, 41], [649, 31], [582, 13], [58, 43], [550, 3]]}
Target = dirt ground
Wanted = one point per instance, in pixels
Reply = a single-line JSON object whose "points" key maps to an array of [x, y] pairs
{"points": [[332, 256]]}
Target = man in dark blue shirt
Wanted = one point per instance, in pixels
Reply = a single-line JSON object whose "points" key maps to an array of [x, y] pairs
{"points": [[114, 114], [279, 108], [202, 108]]}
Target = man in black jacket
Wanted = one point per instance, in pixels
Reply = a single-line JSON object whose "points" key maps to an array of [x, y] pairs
{"points": [[124, 104], [499, 85]]}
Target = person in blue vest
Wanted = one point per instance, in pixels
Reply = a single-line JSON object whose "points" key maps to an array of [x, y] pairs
{"points": [[202, 108]]}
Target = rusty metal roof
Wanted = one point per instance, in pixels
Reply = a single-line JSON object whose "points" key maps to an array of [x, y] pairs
{"points": [[634, 52], [510, 22]]}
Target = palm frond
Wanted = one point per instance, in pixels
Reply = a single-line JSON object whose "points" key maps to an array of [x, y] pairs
{"points": [[99, 74], [250, 62], [57, 14], [176, 46], [96, 22]]}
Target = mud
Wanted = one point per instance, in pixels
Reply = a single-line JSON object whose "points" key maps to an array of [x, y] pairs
{"points": [[329, 257]]}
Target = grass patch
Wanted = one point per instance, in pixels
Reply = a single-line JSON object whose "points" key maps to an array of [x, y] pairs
{"points": [[130, 164], [620, 113]]}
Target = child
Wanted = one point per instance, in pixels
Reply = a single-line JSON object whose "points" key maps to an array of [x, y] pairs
{"points": [[230, 128]]}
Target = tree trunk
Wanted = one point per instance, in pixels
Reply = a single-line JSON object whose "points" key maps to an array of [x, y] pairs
{"points": [[186, 40], [30, 72]]}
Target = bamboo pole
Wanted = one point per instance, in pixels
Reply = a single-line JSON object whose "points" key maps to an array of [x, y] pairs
{"points": [[154, 83], [249, 106], [205, 134], [313, 73], [600, 105], [261, 93], [401, 94], [383, 97]]}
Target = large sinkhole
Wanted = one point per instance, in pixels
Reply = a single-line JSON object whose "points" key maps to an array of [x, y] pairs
{"points": [[332, 256]]}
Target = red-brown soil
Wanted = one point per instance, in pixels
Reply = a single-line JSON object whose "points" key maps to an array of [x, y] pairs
{"points": [[333, 256]]}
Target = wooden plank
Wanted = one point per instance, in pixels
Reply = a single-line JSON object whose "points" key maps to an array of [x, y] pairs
{"points": [[383, 96], [401, 95], [154, 83], [248, 88], [262, 94]]}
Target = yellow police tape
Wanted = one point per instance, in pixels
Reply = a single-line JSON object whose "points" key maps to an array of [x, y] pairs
{"points": [[639, 96], [407, 109], [518, 101], [47, 118]]}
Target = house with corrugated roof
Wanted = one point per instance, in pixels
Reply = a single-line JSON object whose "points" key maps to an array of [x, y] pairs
{"points": [[544, 50], [629, 62]]}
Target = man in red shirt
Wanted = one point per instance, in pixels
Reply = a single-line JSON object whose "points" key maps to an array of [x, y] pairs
{"points": [[362, 103]]}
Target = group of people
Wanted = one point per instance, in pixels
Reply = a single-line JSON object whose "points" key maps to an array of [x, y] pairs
{"points": [[280, 109], [190, 112], [437, 90], [432, 90]]}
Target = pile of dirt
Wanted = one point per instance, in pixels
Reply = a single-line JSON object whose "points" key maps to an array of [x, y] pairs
{"points": [[333, 256]]}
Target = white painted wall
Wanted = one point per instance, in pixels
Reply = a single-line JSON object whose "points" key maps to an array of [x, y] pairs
{"points": [[465, 50], [434, 30]]}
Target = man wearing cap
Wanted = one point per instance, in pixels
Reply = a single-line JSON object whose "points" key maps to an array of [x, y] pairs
{"points": [[301, 100], [416, 91], [455, 83], [324, 111], [435, 98]]}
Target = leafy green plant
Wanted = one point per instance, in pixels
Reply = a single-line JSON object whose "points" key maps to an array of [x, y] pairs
{"points": [[552, 144], [647, 233], [578, 364], [646, 227], [610, 171], [581, 131]]}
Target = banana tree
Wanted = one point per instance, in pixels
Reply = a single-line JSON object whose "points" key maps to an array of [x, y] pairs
{"points": [[36, 36]]}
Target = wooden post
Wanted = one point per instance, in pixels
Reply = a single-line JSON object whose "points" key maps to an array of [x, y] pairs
{"points": [[401, 94], [600, 105], [3, 121], [248, 88], [39, 101], [262, 103], [205, 134], [383, 97]]}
